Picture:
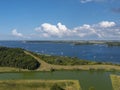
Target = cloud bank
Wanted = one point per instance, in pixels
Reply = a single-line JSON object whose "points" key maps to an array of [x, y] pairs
{"points": [[101, 30], [49, 30], [106, 24], [17, 34], [104, 30], [87, 1]]}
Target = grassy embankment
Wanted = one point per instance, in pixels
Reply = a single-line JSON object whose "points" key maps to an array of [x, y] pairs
{"points": [[115, 82], [39, 84]]}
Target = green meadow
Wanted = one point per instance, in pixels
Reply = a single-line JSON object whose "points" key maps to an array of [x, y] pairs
{"points": [[115, 82], [39, 85]]}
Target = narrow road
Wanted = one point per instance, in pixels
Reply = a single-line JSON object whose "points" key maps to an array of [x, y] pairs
{"points": [[44, 66]]}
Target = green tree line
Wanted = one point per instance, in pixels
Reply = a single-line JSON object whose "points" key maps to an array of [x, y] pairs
{"points": [[15, 57]]}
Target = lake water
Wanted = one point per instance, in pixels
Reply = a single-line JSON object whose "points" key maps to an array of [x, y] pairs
{"points": [[87, 52], [100, 80]]}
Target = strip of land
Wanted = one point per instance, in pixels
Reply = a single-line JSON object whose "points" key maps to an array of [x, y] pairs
{"points": [[82, 42], [11, 69], [115, 82], [39, 84]]}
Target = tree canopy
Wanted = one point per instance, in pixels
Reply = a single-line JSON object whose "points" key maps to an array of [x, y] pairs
{"points": [[15, 57]]}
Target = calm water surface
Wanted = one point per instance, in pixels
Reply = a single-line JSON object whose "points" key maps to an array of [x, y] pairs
{"points": [[87, 52], [99, 80]]}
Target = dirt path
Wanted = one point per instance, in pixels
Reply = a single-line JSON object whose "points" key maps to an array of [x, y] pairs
{"points": [[44, 66]]}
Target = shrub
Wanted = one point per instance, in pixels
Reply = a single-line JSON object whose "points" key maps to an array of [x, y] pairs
{"points": [[56, 87], [15, 57], [91, 88]]}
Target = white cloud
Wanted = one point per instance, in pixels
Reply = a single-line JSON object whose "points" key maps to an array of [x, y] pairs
{"points": [[101, 30], [48, 30], [106, 24], [85, 30], [15, 33], [86, 1]]}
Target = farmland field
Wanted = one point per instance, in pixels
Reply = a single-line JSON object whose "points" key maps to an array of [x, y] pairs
{"points": [[38, 84]]}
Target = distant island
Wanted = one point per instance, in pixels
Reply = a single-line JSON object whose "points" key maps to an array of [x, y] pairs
{"points": [[81, 42]]}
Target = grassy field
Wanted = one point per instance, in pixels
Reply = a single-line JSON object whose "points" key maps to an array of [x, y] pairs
{"points": [[38, 84], [11, 69], [115, 82]]}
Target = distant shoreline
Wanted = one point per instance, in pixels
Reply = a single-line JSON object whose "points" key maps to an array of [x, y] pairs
{"points": [[81, 42], [73, 42]]}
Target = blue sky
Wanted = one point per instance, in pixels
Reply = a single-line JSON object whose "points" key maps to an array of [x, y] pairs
{"points": [[59, 19]]}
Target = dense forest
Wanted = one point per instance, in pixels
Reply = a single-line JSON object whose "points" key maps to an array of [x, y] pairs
{"points": [[15, 57]]}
